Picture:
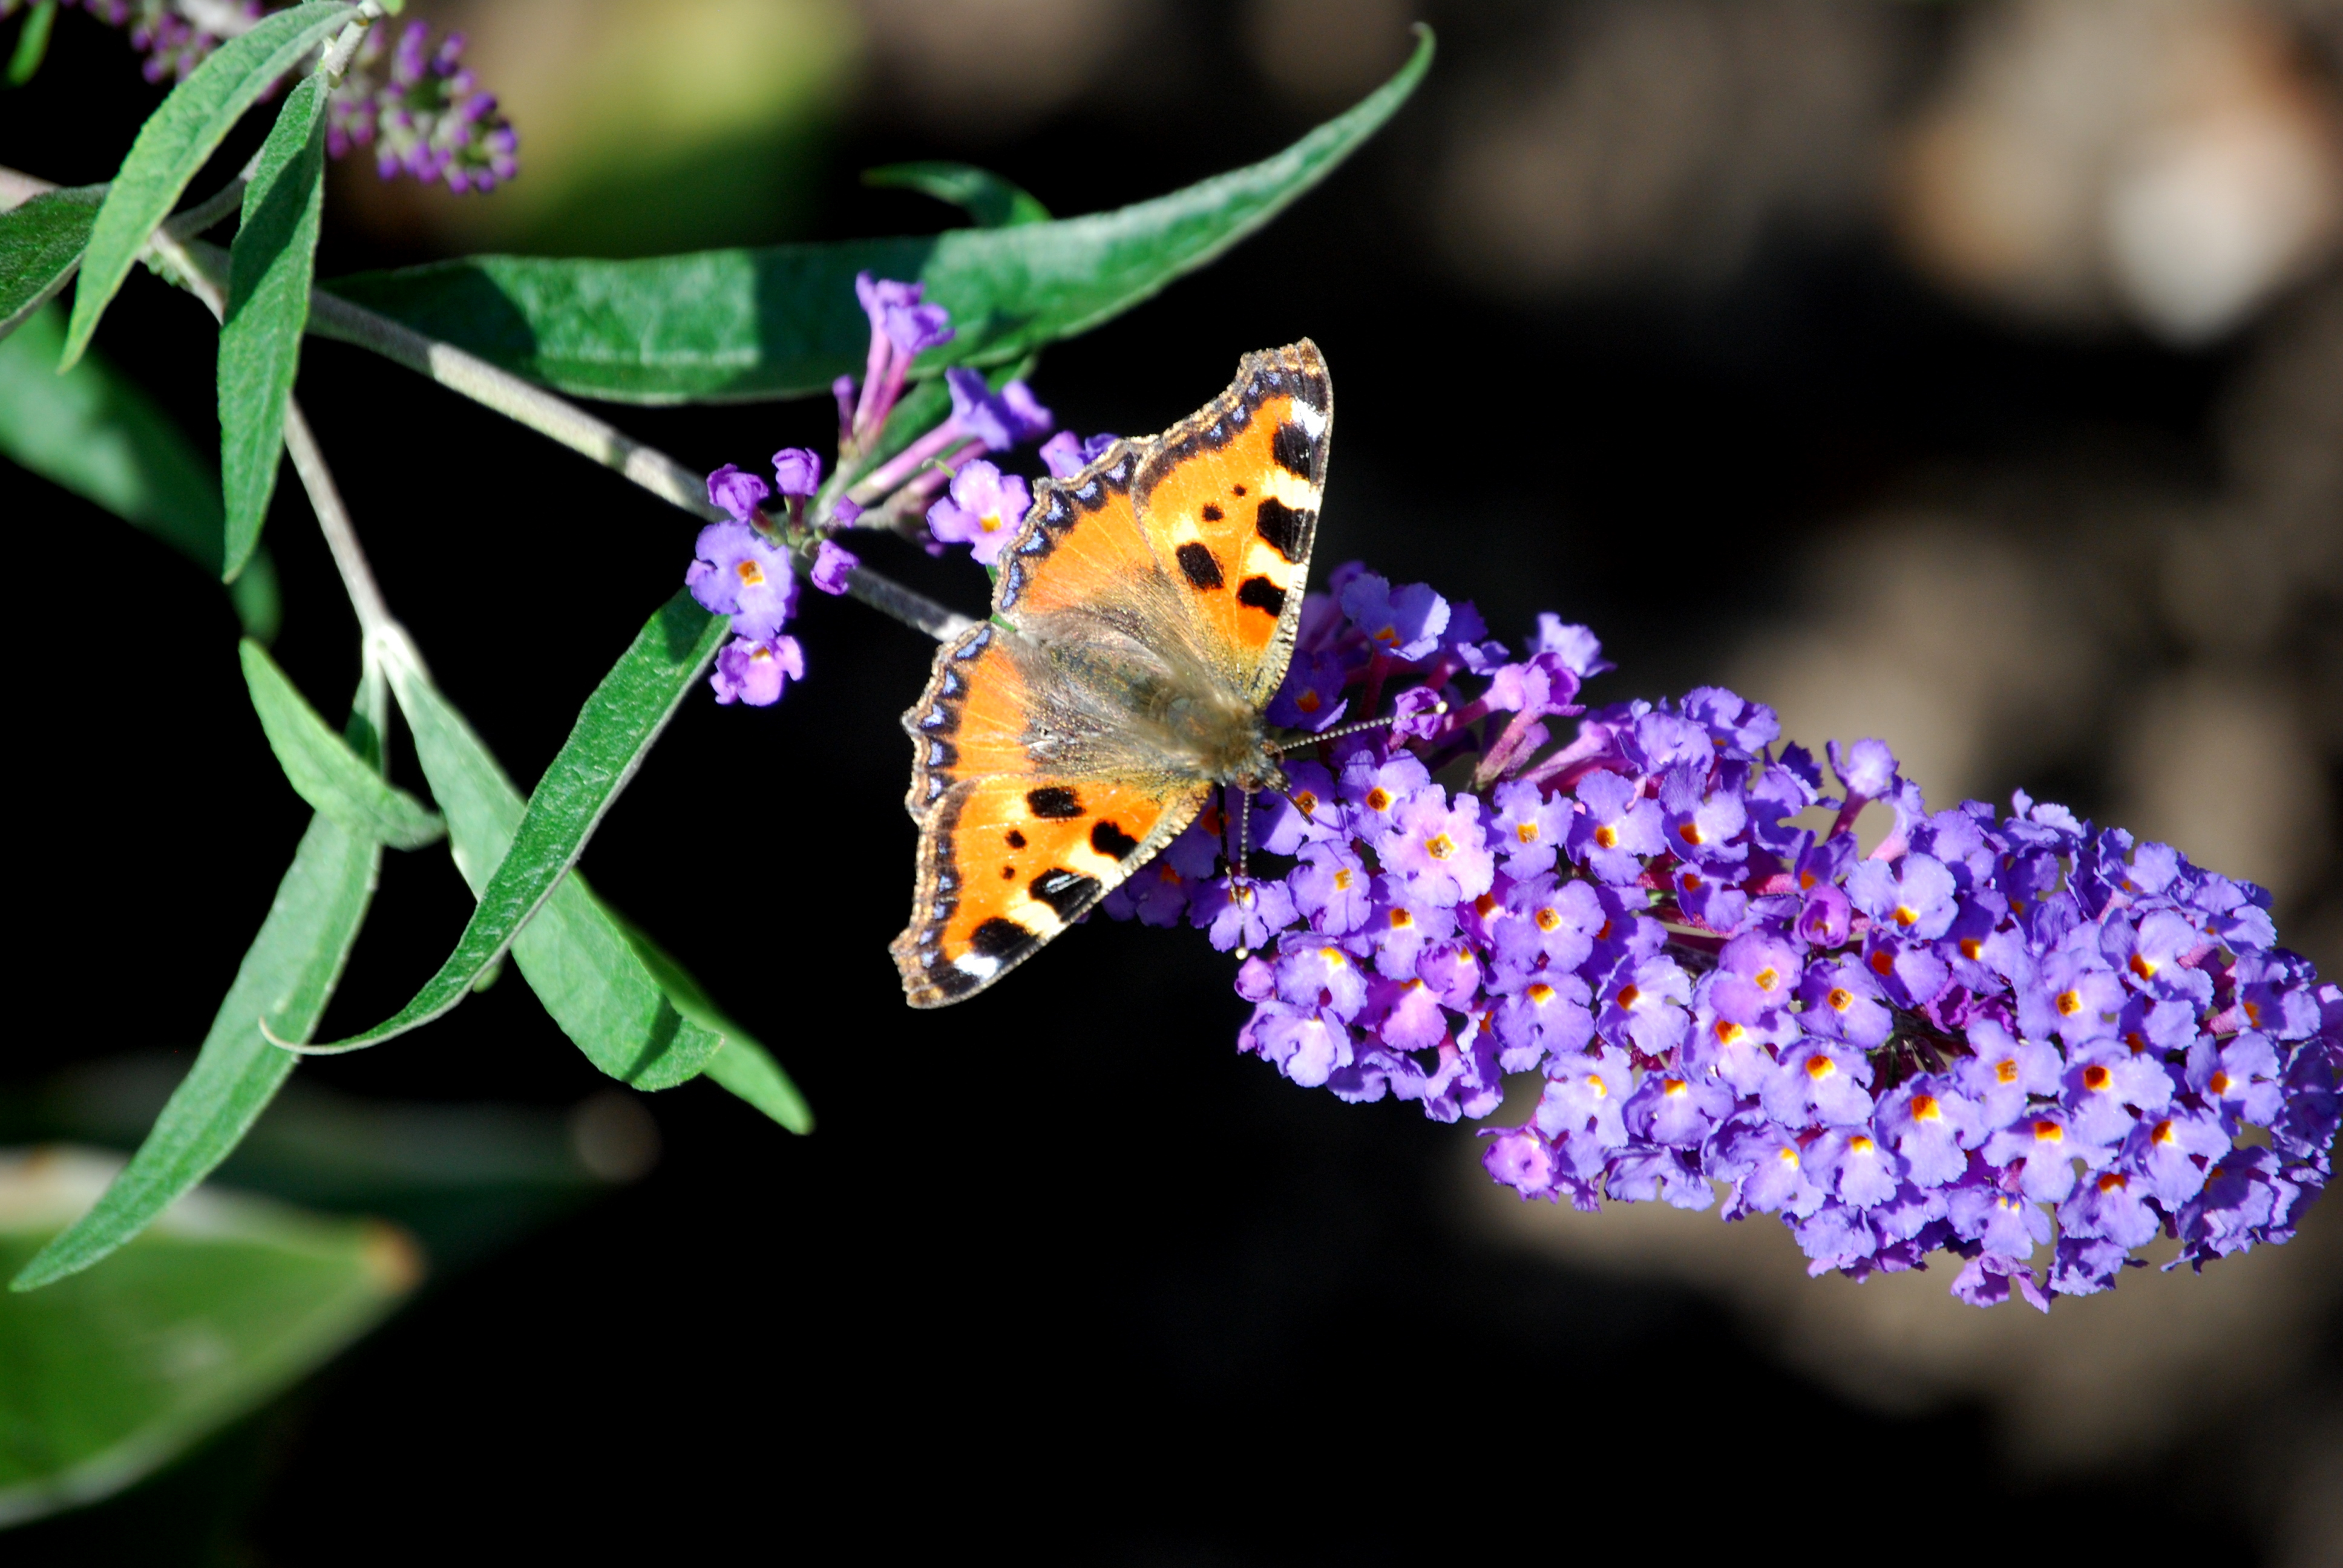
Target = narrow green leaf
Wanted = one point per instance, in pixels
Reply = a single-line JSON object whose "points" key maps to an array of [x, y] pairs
{"points": [[516, 860], [324, 771], [225, 1303], [744, 1066], [275, 254], [31, 44], [175, 142], [984, 195], [782, 321], [92, 431], [41, 243], [287, 976]]}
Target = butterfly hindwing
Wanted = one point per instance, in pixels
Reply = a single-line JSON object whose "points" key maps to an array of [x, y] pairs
{"points": [[1009, 855]]}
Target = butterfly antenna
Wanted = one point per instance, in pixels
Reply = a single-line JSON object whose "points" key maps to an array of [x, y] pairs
{"points": [[1244, 855], [1298, 741]]}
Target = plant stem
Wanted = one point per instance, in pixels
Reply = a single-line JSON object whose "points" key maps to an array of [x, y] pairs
{"points": [[376, 624], [199, 267]]}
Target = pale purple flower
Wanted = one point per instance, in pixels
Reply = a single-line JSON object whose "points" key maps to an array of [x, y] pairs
{"points": [[983, 511], [754, 670]]}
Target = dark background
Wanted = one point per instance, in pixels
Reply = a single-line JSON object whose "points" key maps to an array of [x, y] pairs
{"points": [[1058, 1266]]}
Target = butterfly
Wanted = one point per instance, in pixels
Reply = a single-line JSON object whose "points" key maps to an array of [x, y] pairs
{"points": [[1142, 619]]}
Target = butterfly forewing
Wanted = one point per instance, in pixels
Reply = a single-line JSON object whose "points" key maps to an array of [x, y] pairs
{"points": [[1232, 497]]}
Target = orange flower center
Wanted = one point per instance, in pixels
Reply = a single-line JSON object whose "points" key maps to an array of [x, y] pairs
{"points": [[1839, 999], [1925, 1108], [1440, 847], [2096, 1078], [750, 574], [1628, 995], [1378, 798], [1606, 837]]}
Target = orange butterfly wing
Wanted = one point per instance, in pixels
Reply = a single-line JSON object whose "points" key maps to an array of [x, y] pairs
{"points": [[1197, 541], [1009, 855]]}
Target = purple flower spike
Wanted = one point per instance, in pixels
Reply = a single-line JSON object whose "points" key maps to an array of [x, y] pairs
{"points": [[983, 511], [2073, 1039]]}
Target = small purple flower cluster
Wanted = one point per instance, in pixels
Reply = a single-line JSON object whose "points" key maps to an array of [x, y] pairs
{"points": [[941, 482], [425, 114], [1989, 1034], [175, 39]]}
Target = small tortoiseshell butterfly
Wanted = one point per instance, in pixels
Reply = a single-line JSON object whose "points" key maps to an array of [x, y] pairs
{"points": [[1143, 620]]}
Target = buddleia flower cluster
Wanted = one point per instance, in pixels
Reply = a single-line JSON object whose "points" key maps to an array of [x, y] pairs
{"points": [[417, 107], [423, 112], [941, 487], [2009, 1036]]}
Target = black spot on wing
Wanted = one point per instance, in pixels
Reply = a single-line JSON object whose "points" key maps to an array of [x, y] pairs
{"points": [[1055, 800], [1197, 565], [1064, 891], [1016, 840], [1287, 531], [1213, 514], [1109, 839], [1000, 939], [1292, 448], [1263, 594], [1007, 873], [949, 983]]}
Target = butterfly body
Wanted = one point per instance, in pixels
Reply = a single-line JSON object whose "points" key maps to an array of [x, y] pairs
{"points": [[1142, 619]]}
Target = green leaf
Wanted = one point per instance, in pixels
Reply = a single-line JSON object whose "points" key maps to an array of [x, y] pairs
{"points": [[274, 253], [31, 44], [516, 860], [744, 1066], [287, 976], [41, 243], [228, 1302], [992, 201], [175, 142], [783, 322], [324, 771], [92, 431]]}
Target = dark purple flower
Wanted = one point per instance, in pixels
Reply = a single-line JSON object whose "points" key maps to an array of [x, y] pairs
{"points": [[1378, 790], [1615, 828], [897, 314], [2111, 1204], [1332, 889], [833, 565], [1585, 1093], [1931, 1125], [1842, 1002], [1821, 1083], [797, 471], [1066, 453], [1404, 623], [1912, 897], [1529, 827], [738, 493], [1677, 1111], [1646, 1006], [1000, 420], [1436, 849]]}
